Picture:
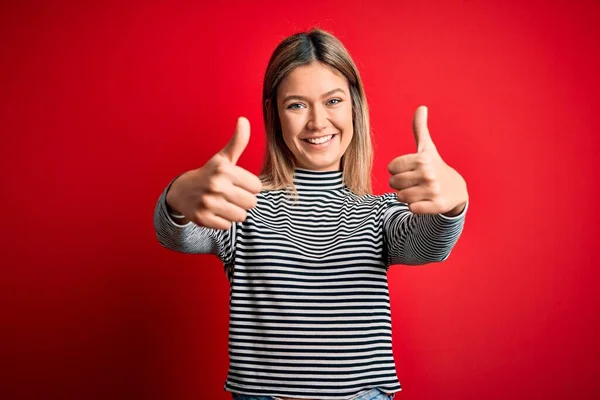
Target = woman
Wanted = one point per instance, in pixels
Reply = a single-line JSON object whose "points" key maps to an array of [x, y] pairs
{"points": [[306, 246]]}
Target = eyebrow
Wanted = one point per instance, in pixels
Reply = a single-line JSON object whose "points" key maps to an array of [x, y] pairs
{"points": [[298, 97]]}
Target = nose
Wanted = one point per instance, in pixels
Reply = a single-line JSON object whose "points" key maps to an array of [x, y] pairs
{"points": [[318, 119]]}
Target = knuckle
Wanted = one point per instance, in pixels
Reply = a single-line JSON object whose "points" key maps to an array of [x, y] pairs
{"points": [[215, 185], [221, 167], [204, 201], [391, 167], [434, 188], [428, 175], [401, 197]]}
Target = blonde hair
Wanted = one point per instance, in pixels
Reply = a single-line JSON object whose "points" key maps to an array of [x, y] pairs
{"points": [[300, 49]]}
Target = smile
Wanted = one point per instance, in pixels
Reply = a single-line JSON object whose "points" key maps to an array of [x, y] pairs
{"points": [[319, 140]]}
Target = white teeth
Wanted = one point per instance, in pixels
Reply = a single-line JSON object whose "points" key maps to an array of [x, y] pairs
{"points": [[320, 140]]}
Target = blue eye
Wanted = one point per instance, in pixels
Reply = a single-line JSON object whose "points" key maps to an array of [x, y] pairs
{"points": [[294, 106], [337, 101]]}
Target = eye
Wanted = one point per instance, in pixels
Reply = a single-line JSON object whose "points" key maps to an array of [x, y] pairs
{"points": [[333, 102], [295, 106]]}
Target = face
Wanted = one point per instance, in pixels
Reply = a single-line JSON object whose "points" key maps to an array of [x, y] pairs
{"points": [[315, 110]]}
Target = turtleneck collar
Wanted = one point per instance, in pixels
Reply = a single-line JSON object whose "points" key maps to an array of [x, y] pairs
{"points": [[305, 179]]}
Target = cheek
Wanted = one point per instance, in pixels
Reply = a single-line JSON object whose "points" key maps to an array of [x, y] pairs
{"points": [[344, 119], [348, 127], [347, 139], [291, 126], [287, 131], [349, 115], [289, 142]]}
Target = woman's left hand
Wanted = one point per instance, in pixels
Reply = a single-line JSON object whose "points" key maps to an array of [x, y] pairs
{"points": [[423, 180]]}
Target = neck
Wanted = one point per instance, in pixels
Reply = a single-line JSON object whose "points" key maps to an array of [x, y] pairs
{"points": [[306, 179]]}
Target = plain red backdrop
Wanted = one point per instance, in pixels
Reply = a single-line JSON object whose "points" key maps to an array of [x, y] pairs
{"points": [[102, 104]]}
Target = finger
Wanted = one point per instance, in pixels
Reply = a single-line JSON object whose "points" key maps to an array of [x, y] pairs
{"points": [[413, 194], [240, 197], [209, 220], [424, 207], [246, 180], [220, 207], [238, 142], [406, 180], [420, 130], [403, 163]]}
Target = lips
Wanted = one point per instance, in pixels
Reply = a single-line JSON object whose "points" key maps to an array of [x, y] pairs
{"points": [[319, 139]]}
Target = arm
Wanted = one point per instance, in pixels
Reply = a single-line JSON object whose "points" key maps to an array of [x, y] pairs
{"points": [[211, 199], [415, 239], [189, 237]]}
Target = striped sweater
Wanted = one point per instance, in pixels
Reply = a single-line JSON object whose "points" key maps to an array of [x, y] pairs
{"points": [[309, 304]]}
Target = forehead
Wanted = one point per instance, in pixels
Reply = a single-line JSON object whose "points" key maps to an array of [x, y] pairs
{"points": [[312, 80]]}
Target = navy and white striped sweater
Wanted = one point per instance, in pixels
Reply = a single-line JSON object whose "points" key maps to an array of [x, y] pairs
{"points": [[309, 304]]}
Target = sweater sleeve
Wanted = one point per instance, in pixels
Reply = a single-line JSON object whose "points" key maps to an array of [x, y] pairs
{"points": [[415, 239], [192, 238]]}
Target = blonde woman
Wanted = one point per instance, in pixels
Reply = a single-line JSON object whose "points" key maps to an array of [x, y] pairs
{"points": [[306, 245]]}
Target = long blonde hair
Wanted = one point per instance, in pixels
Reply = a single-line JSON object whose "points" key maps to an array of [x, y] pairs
{"points": [[300, 49]]}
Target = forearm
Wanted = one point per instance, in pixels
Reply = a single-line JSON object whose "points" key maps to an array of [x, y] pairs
{"points": [[184, 237], [420, 239]]}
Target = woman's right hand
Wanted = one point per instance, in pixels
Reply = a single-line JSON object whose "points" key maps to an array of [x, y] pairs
{"points": [[220, 192]]}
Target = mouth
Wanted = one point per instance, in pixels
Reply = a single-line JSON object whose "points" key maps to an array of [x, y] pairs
{"points": [[320, 141]]}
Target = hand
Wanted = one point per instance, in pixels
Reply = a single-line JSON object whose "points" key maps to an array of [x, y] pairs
{"points": [[423, 180], [219, 193]]}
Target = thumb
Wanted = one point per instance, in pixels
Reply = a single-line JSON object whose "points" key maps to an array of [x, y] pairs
{"points": [[238, 142], [421, 131]]}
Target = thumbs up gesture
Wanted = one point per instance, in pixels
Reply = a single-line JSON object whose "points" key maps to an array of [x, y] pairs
{"points": [[220, 192], [423, 180]]}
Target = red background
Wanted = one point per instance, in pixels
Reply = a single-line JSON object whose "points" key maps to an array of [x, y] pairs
{"points": [[101, 105]]}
